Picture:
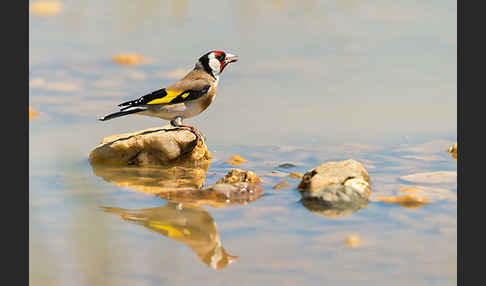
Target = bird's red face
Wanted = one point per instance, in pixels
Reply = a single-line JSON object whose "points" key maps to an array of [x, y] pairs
{"points": [[224, 59], [214, 62]]}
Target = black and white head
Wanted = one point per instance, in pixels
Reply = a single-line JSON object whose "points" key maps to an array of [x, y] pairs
{"points": [[214, 62]]}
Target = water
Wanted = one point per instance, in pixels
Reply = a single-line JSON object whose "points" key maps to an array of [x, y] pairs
{"points": [[317, 81]]}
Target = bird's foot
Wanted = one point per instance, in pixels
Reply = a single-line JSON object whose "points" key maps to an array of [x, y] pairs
{"points": [[194, 130]]}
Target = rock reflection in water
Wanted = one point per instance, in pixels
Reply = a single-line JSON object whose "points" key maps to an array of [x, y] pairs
{"points": [[182, 184], [185, 223], [153, 180], [323, 208], [218, 195]]}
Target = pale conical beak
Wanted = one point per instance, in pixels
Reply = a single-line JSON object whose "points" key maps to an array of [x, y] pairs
{"points": [[231, 58]]}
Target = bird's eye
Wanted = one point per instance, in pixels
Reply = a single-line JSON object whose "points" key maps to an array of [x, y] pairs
{"points": [[220, 57]]}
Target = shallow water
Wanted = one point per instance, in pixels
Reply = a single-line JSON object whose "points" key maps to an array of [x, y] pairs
{"points": [[318, 81]]}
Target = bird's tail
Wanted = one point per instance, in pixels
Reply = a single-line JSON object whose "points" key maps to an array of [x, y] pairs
{"points": [[121, 113]]}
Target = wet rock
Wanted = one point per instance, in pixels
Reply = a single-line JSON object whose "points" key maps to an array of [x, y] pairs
{"points": [[129, 59], [432, 177], [281, 185], [238, 175], [352, 240], [153, 180], [331, 180], [236, 160], [335, 186], [155, 146]]}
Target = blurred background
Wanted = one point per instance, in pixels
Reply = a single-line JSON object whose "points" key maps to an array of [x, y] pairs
{"points": [[316, 80], [338, 69]]}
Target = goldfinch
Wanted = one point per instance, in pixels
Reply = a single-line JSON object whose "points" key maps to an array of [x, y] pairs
{"points": [[184, 99]]}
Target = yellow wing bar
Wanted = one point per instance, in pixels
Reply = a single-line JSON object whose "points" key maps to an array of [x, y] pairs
{"points": [[171, 231], [171, 94]]}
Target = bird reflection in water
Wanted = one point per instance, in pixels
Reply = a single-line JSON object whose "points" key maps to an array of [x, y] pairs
{"points": [[189, 224]]}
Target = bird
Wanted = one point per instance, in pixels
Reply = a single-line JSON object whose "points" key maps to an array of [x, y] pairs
{"points": [[183, 99]]}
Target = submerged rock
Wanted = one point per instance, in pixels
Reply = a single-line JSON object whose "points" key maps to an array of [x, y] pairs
{"points": [[353, 240], [411, 201], [238, 175], [236, 160], [334, 188], [236, 187], [296, 175], [155, 146]]}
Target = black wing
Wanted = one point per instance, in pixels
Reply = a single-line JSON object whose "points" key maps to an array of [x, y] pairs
{"points": [[164, 96]]}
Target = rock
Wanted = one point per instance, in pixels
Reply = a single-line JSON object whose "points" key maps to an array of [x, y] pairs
{"points": [[236, 160], [183, 223], [296, 175], [453, 150], [411, 201], [236, 187], [154, 146], [281, 185], [438, 177], [238, 175], [287, 165], [331, 178], [337, 186], [153, 180], [352, 240]]}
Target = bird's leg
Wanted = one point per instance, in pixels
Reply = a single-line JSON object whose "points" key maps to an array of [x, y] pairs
{"points": [[177, 122]]}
